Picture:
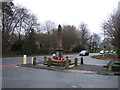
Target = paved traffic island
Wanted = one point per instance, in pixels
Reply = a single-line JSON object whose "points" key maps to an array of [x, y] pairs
{"points": [[69, 66], [64, 66], [91, 69]]}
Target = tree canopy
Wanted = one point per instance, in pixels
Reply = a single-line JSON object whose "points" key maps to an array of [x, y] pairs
{"points": [[24, 34]]}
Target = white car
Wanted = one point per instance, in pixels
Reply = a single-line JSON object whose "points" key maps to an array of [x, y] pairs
{"points": [[106, 51], [102, 52], [84, 53]]}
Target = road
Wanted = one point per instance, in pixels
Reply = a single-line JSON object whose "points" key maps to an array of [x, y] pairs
{"points": [[22, 77]]}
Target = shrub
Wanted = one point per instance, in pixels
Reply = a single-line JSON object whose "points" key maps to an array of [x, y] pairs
{"points": [[115, 65], [118, 51], [78, 48]]}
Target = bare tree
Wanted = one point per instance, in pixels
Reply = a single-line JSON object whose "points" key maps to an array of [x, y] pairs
{"points": [[48, 26], [69, 37], [18, 25], [84, 35], [18, 21], [94, 42], [7, 14], [111, 28]]}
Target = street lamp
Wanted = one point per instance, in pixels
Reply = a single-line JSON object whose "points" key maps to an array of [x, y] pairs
{"points": [[104, 45]]}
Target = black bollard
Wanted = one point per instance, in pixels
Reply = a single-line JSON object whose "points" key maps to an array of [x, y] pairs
{"points": [[66, 57], [76, 61], [81, 60], [34, 61], [49, 62]]}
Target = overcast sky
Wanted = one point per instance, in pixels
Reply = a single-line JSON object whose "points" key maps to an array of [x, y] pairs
{"points": [[72, 12]]}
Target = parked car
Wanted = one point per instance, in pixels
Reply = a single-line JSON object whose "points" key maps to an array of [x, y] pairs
{"points": [[101, 52], [84, 53], [112, 51], [106, 51]]}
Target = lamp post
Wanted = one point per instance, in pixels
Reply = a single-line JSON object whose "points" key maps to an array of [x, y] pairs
{"points": [[119, 6], [104, 45]]}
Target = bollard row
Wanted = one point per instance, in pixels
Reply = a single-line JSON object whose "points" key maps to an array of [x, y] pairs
{"points": [[67, 61]]}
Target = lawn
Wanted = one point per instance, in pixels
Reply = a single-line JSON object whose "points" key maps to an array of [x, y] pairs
{"points": [[107, 56]]}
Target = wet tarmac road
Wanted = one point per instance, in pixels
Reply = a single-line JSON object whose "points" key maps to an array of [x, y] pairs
{"points": [[23, 77]]}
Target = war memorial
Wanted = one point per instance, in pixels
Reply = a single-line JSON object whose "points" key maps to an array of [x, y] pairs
{"points": [[57, 60], [59, 63]]}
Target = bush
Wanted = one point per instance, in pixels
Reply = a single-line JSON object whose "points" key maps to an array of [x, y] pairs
{"points": [[16, 46], [78, 48], [115, 65], [118, 51], [44, 51], [29, 49]]}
